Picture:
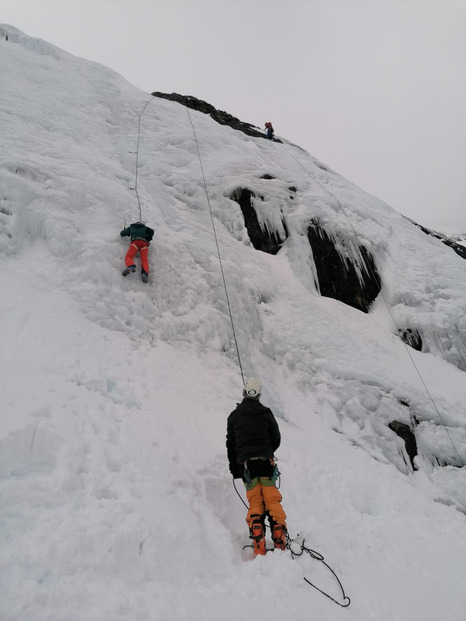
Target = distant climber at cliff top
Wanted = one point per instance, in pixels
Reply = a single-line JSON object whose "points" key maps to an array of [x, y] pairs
{"points": [[269, 131], [141, 236]]}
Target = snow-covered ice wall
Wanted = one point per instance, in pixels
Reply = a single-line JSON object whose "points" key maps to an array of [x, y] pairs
{"points": [[115, 493]]}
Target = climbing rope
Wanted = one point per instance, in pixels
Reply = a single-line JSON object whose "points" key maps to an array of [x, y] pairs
{"points": [[369, 267], [239, 495], [218, 247], [137, 154], [211, 216]]}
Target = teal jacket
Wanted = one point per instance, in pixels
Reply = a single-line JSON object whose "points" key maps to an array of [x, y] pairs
{"points": [[138, 230]]}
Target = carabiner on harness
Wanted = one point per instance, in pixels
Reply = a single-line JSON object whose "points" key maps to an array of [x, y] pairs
{"points": [[276, 472], [247, 474]]}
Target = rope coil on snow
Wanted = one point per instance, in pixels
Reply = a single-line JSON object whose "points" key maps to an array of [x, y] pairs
{"points": [[346, 601]]}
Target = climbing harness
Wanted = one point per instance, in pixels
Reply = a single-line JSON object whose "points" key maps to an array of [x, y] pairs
{"points": [[247, 478], [217, 245], [369, 268]]}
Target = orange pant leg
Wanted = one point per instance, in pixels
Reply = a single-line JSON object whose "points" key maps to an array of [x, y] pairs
{"points": [[272, 500], [144, 252], [132, 250], [256, 504], [135, 247]]}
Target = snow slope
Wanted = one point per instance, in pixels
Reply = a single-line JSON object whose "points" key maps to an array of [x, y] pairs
{"points": [[115, 492]]}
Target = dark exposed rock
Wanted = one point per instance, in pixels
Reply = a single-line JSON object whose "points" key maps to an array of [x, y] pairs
{"points": [[264, 240], [293, 190], [405, 433], [337, 272], [324, 167], [267, 176], [413, 417], [458, 248], [411, 338], [218, 115]]}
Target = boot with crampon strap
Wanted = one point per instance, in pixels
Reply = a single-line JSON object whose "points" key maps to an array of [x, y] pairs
{"points": [[258, 538], [279, 536]]}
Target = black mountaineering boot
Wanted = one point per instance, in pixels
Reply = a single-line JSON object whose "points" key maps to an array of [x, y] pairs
{"points": [[129, 270]]}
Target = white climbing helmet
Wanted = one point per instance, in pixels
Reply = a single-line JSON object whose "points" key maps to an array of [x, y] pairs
{"points": [[252, 388]]}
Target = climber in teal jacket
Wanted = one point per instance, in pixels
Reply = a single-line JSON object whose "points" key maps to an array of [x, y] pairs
{"points": [[141, 236]]}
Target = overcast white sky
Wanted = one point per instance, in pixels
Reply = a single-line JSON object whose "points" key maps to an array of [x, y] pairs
{"points": [[374, 88]]}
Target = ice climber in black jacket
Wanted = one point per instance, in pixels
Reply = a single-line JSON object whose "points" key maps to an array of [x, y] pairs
{"points": [[252, 438]]}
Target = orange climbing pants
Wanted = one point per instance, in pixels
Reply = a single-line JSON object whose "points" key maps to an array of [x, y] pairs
{"points": [[141, 246], [264, 497]]}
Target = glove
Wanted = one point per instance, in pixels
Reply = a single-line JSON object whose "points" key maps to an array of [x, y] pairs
{"points": [[236, 471]]}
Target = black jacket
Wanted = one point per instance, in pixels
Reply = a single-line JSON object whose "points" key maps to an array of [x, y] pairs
{"points": [[252, 431], [138, 230]]}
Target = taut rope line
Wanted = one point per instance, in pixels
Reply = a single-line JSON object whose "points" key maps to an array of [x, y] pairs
{"points": [[217, 245], [137, 154]]}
